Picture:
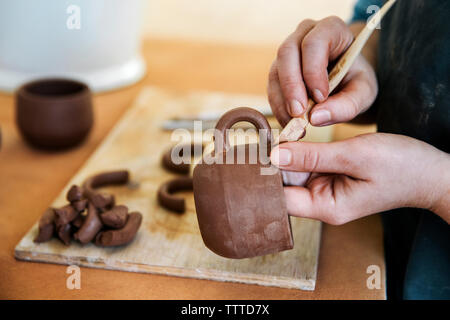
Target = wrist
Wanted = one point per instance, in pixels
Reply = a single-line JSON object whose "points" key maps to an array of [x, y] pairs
{"points": [[440, 196]]}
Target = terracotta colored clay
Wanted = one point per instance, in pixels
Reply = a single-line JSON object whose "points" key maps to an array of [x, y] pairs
{"points": [[166, 197], [241, 213], [72, 217], [78, 222], [54, 113], [64, 233], [104, 201], [80, 205], [108, 178], [65, 215], [182, 168], [46, 226], [91, 225], [116, 217], [120, 236], [75, 193]]}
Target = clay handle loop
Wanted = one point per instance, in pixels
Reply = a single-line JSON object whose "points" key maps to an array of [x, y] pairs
{"points": [[236, 115]]}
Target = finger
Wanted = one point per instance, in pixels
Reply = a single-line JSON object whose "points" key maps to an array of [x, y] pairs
{"points": [[334, 199], [304, 203], [289, 70], [299, 202], [355, 97], [276, 99], [336, 157], [325, 42]]}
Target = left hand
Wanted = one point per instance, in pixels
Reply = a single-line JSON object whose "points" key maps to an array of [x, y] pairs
{"points": [[364, 175]]}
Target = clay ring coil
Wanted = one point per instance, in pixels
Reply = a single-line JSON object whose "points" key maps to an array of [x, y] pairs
{"points": [[166, 197]]}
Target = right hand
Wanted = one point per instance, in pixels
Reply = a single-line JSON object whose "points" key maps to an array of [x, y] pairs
{"points": [[300, 70]]}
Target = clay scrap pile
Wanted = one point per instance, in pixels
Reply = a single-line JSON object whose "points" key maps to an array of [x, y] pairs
{"points": [[91, 215]]}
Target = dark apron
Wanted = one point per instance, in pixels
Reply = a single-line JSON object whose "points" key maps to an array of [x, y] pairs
{"points": [[414, 99]]}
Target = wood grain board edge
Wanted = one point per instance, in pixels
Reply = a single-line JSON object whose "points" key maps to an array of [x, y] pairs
{"points": [[288, 283]]}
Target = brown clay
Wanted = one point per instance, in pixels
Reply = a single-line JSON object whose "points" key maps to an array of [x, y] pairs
{"points": [[65, 215], [54, 113], [75, 193], [64, 233], [80, 205], [46, 226], [92, 224], [103, 179], [166, 197], [102, 201], [78, 222], [121, 236], [241, 213], [108, 178], [116, 217], [182, 168]]}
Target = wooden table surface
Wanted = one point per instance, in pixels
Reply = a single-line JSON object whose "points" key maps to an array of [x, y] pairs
{"points": [[31, 179]]}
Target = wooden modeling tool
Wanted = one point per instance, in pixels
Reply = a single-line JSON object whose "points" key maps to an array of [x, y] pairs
{"points": [[296, 128]]}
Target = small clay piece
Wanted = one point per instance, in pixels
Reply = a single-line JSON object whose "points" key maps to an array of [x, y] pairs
{"points": [[102, 201], [65, 215], [73, 217], [116, 217], [75, 193], [92, 224], [120, 236], [166, 197], [241, 212], [64, 233], [54, 113], [78, 222], [80, 205], [103, 179], [181, 168], [46, 226]]}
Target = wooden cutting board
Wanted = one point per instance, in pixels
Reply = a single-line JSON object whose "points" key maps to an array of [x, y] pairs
{"points": [[168, 243]]}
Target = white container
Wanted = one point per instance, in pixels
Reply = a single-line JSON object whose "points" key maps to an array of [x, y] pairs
{"points": [[95, 41]]}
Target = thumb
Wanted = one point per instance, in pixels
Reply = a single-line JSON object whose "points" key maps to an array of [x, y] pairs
{"points": [[335, 157]]}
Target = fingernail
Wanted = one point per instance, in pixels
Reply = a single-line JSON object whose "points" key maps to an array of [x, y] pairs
{"points": [[281, 157], [296, 108], [318, 96], [320, 117]]}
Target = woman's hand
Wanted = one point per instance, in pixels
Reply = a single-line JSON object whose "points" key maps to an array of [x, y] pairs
{"points": [[364, 175], [300, 71]]}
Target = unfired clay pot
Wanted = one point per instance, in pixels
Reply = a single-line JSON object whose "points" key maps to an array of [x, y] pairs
{"points": [[241, 213], [54, 113]]}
